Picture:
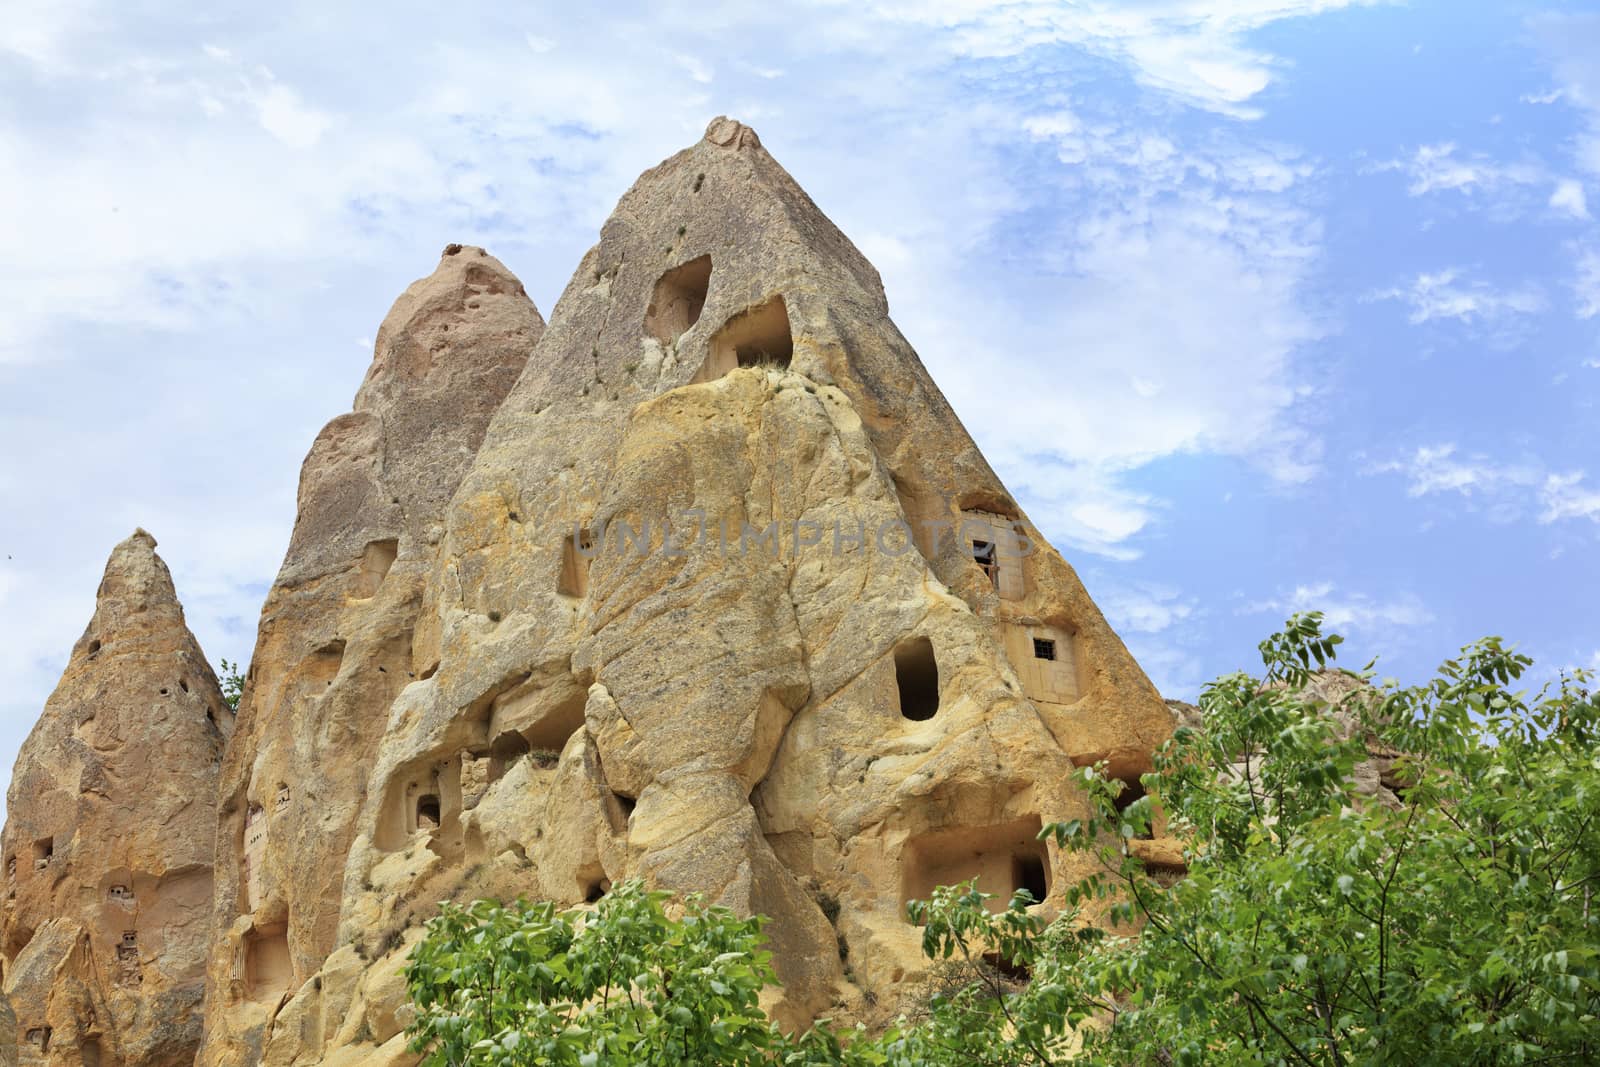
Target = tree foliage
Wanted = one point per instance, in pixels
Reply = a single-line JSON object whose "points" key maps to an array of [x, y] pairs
{"points": [[232, 683], [1316, 925]]}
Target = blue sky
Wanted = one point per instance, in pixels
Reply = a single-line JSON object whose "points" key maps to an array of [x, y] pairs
{"points": [[1257, 306]]}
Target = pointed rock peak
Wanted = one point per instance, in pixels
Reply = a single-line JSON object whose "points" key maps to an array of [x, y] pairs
{"points": [[136, 580], [731, 133], [467, 311]]}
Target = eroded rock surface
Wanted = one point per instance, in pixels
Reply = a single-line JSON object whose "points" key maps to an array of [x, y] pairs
{"points": [[335, 643], [726, 599], [109, 837]]}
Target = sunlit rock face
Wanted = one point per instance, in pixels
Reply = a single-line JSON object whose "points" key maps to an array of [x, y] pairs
{"points": [[108, 838], [724, 597]]}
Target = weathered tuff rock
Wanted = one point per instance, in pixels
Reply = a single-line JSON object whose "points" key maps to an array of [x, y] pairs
{"points": [[108, 836], [542, 697], [335, 643]]}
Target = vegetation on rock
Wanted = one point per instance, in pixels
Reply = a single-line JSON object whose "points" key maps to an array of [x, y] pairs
{"points": [[1452, 920]]}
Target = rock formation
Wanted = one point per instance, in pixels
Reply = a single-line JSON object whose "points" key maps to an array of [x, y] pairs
{"points": [[726, 599], [335, 642], [109, 837]]}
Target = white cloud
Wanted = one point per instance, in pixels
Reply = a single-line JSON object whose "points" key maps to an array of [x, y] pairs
{"points": [[1572, 43], [284, 115], [1435, 168], [1510, 490], [1195, 52], [1569, 198], [1448, 294], [1345, 610], [1586, 284], [1145, 608], [1435, 469], [1566, 496]]}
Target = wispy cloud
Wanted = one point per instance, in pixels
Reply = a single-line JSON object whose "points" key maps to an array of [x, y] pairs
{"points": [[1197, 53], [1568, 496], [1435, 168], [1345, 609], [1586, 284], [1569, 199], [1511, 490], [1450, 294]]}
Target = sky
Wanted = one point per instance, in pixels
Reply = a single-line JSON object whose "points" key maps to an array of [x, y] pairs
{"points": [[1258, 306]]}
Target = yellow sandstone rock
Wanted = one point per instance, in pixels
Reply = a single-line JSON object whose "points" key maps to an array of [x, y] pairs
{"points": [[108, 837]]}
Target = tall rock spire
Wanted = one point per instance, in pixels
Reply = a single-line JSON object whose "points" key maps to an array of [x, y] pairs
{"points": [[109, 832], [336, 636], [727, 599]]}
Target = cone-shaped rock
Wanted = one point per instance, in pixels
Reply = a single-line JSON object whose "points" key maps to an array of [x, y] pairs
{"points": [[726, 599], [336, 636], [109, 833]]}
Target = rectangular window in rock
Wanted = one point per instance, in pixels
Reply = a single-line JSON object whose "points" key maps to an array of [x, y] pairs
{"points": [[428, 811], [1045, 661], [983, 555], [43, 850], [576, 551], [997, 550], [1003, 858], [268, 969], [759, 337]]}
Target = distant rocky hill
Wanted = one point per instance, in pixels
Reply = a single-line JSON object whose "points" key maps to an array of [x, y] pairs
{"points": [[702, 582]]}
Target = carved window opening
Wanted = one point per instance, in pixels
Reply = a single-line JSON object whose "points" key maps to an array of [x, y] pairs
{"points": [[679, 297], [996, 548], [1045, 661], [759, 337], [577, 549], [268, 968], [1027, 872], [983, 553], [916, 674], [376, 559], [43, 850], [120, 893], [283, 797], [1133, 790], [1001, 858], [39, 1038], [428, 811]]}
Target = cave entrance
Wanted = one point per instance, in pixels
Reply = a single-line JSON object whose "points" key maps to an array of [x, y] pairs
{"points": [[759, 337], [679, 297], [1002, 858], [916, 673], [428, 811]]}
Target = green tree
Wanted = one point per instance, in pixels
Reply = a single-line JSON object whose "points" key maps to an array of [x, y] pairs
{"points": [[232, 683], [1315, 926], [622, 985]]}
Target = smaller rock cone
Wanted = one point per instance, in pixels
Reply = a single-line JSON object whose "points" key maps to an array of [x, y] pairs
{"points": [[109, 835]]}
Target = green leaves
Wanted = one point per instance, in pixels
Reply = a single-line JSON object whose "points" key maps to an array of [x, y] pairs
{"points": [[1317, 924], [232, 683], [524, 984]]}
